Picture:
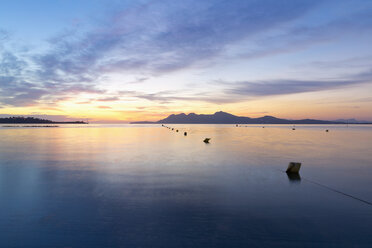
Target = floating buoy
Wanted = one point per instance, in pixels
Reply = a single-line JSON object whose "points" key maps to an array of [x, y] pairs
{"points": [[185, 133], [206, 140], [293, 167], [172, 129], [327, 130], [293, 128], [237, 125], [294, 177], [177, 130]]}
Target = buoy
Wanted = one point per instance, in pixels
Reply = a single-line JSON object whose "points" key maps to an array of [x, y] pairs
{"points": [[206, 140], [237, 125], [172, 129], [293, 167], [294, 177], [177, 130], [263, 127], [293, 128], [185, 133], [327, 131]]}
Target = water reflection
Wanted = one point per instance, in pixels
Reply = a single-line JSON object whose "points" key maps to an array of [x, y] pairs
{"points": [[146, 186]]}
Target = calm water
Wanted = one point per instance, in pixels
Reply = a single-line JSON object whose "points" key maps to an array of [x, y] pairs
{"points": [[147, 186]]}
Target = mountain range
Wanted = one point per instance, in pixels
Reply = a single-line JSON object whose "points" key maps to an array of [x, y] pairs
{"points": [[226, 118], [352, 121]]}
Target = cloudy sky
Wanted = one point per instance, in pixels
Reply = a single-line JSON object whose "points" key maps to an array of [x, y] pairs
{"points": [[142, 60]]}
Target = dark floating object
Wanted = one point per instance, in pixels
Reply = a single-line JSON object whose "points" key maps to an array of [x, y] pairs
{"points": [[177, 130], [185, 133], [294, 177], [293, 168], [293, 128], [237, 125], [263, 127], [206, 140], [172, 129], [327, 130]]}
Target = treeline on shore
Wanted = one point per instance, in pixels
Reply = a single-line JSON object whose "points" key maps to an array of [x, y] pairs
{"points": [[33, 120]]}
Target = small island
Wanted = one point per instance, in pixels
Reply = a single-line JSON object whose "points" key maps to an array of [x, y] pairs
{"points": [[33, 120], [227, 118]]}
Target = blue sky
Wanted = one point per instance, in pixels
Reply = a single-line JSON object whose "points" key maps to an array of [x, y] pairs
{"points": [[128, 60]]}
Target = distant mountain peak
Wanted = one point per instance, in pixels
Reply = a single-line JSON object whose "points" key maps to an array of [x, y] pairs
{"points": [[220, 113], [221, 117]]}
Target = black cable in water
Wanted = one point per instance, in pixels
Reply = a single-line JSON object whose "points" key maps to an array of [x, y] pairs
{"points": [[334, 190], [337, 191]]}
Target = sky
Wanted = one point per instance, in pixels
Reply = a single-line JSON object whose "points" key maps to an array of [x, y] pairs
{"points": [[122, 61]]}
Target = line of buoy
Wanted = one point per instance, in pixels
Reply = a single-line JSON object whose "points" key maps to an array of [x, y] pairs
{"points": [[206, 140], [171, 128], [293, 170]]}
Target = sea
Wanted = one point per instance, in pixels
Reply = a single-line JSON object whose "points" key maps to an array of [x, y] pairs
{"points": [[106, 185]]}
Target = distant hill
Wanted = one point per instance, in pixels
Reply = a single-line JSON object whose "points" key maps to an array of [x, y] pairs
{"points": [[352, 121], [32, 120], [226, 118]]}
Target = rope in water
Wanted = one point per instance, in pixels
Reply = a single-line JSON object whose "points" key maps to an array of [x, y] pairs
{"points": [[325, 186], [335, 190]]}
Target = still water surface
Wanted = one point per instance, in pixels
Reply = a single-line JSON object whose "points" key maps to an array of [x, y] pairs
{"points": [[147, 186]]}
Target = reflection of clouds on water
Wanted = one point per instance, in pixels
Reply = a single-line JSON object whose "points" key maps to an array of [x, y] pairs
{"points": [[147, 186]]}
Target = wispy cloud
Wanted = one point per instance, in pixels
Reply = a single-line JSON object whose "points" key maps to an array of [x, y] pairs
{"points": [[292, 86], [153, 38], [165, 97], [284, 87], [139, 80], [104, 107], [108, 99], [162, 36], [299, 37]]}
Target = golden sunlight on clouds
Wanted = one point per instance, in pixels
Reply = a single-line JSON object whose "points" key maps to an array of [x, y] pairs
{"points": [[326, 105]]}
